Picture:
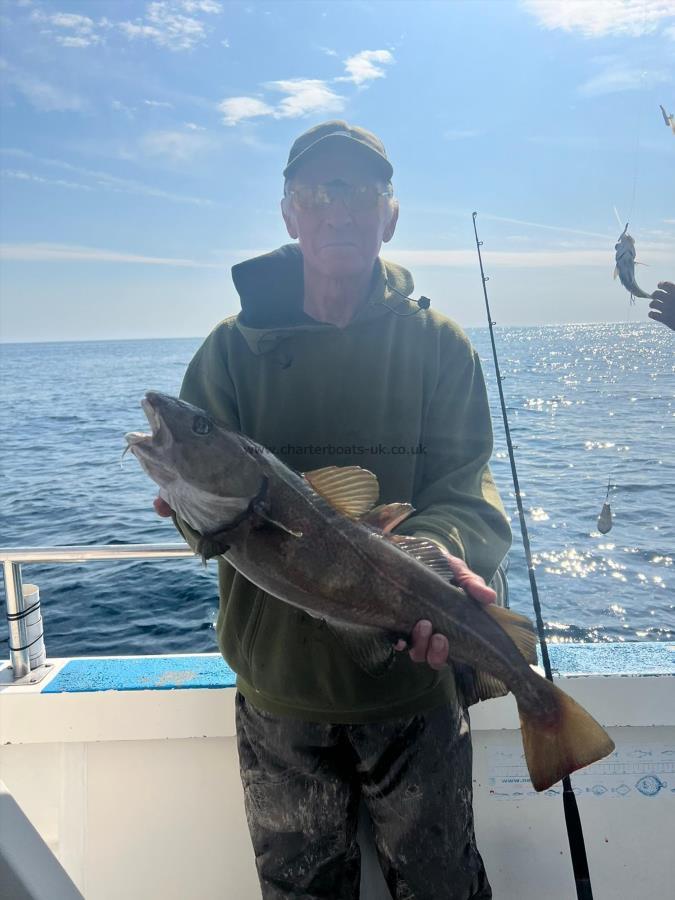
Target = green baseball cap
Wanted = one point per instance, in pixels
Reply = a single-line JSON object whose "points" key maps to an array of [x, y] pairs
{"points": [[354, 137]]}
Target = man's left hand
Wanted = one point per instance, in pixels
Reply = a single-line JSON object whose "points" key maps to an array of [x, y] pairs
{"points": [[431, 647], [663, 304]]}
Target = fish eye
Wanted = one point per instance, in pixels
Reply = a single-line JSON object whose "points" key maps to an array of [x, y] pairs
{"points": [[201, 425]]}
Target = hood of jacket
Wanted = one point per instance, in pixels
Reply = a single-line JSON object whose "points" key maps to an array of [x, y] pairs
{"points": [[271, 290]]}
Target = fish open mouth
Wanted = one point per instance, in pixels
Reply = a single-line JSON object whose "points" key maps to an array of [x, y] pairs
{"points": [[142, 443]]}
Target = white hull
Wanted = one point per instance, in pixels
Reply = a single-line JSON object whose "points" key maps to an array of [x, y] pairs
{"points": [[137, 792]]}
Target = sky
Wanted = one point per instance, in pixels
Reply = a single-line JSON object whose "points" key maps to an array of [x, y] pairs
{"points": [[142, 145]]}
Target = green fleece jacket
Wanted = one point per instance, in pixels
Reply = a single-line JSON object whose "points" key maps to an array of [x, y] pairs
{"points": [[398, 391]]}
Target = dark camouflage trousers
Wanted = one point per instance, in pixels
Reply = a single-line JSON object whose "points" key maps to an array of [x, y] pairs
{"points": [[303, 782]]}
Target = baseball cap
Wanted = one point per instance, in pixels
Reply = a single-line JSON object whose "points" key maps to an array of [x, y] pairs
{"points": [[356, 138]]}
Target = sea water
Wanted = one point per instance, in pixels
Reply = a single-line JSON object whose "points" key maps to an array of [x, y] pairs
{"points": [[586, 404]]}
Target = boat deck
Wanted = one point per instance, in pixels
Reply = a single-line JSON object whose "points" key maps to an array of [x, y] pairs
{"points": [[127, 767]]}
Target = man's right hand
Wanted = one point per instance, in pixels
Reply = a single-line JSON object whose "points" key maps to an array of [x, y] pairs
{"points": [[162, 508]]}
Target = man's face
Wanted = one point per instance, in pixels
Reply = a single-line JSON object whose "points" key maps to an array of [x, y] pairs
{"points": [[334, 240]]}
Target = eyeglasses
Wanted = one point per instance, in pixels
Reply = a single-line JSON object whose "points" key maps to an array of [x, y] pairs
{"points": [[356, 197]]}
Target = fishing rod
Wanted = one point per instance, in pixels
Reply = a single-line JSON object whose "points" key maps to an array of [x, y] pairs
{"points": [[575, 834]]}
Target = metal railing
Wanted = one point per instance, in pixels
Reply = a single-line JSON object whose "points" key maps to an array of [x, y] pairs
{"points": [[17, 609]]}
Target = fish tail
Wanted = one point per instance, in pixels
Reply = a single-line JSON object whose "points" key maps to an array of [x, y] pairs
{"points": [[560, 740]]}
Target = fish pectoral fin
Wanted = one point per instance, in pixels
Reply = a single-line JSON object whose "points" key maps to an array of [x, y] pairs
{"points": [[476, 685], [519, 629], [425, 551], [370, 648], [210, 545], [387, 516], [349, 489]]}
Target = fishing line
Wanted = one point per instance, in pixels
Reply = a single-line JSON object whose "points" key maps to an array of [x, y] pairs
{"points": [[575, 833]]}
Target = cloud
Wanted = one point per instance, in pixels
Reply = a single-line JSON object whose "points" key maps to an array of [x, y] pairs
{"points": [[597, 18], [366, 65], [82, 29], [21, 175], [523, 259], [118, 106], [205, 6], [546, 227], [158, 103], [166, 24], [66, 253], [237, 109], [40, 94], [304, 97], [177, 146], [618, 77], [106, 182]]}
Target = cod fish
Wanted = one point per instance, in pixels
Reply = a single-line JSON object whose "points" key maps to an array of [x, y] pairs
{"points": [[625, 265], [317, 541]]}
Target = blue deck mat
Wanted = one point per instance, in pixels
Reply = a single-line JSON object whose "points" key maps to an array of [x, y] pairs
{"points": [[142, 674], [210, 671]]}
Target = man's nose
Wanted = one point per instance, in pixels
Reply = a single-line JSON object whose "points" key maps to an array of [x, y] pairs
{"points": [[337, 212]]}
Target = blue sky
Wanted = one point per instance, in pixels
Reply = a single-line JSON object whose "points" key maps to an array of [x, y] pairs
{"points": [[142, 146]]}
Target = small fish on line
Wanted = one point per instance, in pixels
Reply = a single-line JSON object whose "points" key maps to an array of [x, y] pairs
{"points": [[625, 265], [668, 118], [319, 542], [605, 517]]}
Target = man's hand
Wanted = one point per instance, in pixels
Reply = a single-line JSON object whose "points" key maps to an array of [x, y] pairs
{"points": [[162, 508], [433, 648], [663, 304]]}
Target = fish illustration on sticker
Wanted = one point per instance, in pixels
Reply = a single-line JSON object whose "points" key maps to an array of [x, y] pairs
{"points": [[650, 785]]}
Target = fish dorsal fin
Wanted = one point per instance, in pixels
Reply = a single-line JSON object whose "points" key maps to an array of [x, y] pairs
{"points": [[426, 552], [387, 516], [349, 489], [519, 629]]}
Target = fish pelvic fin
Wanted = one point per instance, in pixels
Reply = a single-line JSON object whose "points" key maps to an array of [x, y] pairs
{"points": [[349, 489], [370, 648], [519, 628], [476, 685], [560, 742]]}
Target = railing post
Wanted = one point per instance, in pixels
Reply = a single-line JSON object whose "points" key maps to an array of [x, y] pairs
{"points": [[19, 652]]}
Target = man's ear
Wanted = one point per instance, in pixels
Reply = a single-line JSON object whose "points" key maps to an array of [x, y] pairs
{"points": [[391, 225], [289, 218]]}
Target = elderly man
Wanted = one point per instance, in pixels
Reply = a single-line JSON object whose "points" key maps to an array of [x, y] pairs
{"points": [[330, 363]]}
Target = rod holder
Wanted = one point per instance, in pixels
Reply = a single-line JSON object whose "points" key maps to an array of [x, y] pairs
{"points": [[19, 650]]}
